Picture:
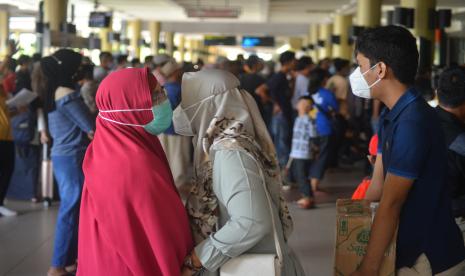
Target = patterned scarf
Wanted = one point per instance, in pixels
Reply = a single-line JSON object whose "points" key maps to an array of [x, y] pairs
{"points": [[202, 205]]}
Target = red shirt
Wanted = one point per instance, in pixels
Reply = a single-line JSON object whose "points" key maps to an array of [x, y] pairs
{"points": [[9, 83]]}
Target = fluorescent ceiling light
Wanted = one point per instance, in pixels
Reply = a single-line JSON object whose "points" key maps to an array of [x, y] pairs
{"points": [[213, 12]]}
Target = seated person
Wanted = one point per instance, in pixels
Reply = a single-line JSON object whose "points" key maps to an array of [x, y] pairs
{"points": [[451, 110]]}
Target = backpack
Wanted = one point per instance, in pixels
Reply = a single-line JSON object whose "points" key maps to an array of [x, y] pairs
{"points": [[23, 126]]}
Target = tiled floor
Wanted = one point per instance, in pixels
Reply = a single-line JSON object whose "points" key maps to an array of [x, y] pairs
{"points": [[26, 241]]}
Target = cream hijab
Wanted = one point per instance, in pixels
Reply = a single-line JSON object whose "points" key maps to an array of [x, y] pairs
{"points": [[224, 117]]}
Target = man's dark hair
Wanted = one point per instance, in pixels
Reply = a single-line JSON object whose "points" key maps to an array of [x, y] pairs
{"points": [[12, 64], [303, 63], [36, 57], [316, 79], [307, 98], [451, 89], [148, 59], [286, 57], [122, 59], [135, 61], [252, 61], [85, 71], [24, 59], [105, 55], [324, 60], [340, 64], [393, 45]]}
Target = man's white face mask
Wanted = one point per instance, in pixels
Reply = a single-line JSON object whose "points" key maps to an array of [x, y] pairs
{"points": [[359, 85]]}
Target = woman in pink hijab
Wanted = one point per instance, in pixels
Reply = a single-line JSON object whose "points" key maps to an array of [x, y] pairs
{"points": [[132, 220]]}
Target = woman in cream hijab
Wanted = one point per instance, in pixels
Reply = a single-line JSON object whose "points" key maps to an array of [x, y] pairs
{"points": [[233, 158]]}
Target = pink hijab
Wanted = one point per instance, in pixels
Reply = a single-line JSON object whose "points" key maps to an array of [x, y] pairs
{"points": [[132, 219]]}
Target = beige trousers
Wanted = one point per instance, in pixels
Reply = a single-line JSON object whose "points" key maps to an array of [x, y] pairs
{"points": [[177, 149], [423, 268]]}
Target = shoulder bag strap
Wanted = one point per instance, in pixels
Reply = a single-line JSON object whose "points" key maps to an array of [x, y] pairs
{"points": [[279, 251]]}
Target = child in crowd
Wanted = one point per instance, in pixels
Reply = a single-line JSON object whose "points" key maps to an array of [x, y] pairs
{"points": [[301, 153]]}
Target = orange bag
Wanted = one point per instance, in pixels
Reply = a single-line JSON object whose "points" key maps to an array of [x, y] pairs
{"points": [[361, 189]]}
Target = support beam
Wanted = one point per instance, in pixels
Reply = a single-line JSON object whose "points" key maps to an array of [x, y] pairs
{"points": [[169, 41], [295, 43], [55, 13], [421, 23], [314, 31], [134, 34], [4, 32], [421, 28], [368, 13], [154, 28], [342, 24], [106, 45], [325, 31], [181, 47]]}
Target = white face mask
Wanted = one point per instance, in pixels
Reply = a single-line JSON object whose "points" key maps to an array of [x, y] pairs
{"points": [[359, 85], [101, 112], [181, 123]]}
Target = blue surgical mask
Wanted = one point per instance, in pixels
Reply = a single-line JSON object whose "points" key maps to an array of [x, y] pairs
{"points": [[162, 118]]}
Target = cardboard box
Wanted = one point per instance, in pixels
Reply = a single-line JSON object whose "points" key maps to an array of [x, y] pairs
{"points": [[354, 219]]}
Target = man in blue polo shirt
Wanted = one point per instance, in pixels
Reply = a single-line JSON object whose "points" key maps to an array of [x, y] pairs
{"points": [[410, 171]]}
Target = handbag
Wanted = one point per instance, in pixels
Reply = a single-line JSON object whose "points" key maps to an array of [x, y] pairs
{"points": [[254, 264]]}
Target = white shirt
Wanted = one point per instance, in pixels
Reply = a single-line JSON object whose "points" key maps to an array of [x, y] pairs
{"points": [[304, 131], [300, 89]]}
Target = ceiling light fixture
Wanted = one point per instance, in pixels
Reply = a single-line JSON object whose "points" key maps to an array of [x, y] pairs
{"points": [[225, 11]]}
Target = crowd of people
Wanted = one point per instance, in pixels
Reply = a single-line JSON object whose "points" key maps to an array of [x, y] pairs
{"points": [[127, 137]]}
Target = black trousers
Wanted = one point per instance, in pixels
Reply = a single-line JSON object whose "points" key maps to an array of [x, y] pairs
{"points": [[7, 165]]}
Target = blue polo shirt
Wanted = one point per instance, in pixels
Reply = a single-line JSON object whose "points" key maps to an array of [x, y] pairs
{"points": [[173, 89], [412, 144], [326, 102]]}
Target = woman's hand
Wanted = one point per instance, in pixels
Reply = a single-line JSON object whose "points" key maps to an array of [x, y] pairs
{"points": [[195, 260], [192, 265], [186, 272], [90, 135], [44, 138], [362, 271]]}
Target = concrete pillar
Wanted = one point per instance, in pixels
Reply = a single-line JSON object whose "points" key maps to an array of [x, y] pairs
{"points": [[368, 13], [342, 23], [134, 35], [190, 50], [422, 9], [181, 47], [4, 32], [295, 43], [314, 41], [55, 13], [106, 45], [325, 31], [421, 28], [154, 28], [169, 42], [195, 48]]}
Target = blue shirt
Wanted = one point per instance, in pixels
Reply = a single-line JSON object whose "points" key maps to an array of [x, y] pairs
{"points": [[413, 146], [69, 124], [326, 102], [174, 95]]}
